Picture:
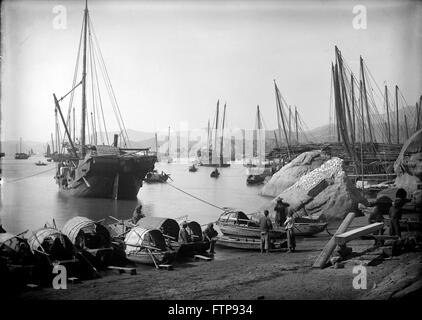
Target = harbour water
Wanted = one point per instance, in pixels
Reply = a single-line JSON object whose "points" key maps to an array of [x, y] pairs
{"points": [[30, 197]]}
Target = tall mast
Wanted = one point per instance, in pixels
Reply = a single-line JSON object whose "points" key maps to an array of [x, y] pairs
{"points": [[366, 100], [52, 142], [361, 109], [290, 123], [297, 129], [156, 144], [208, 143], [84, 81], [20, 145], [397, 115], [74, 121], [405, 124], [216, 127], [388, 116], [277, 95], [353, 107], [168, 144], [222, 135]]}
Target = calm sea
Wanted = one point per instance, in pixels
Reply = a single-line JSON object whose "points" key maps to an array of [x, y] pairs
{"points": [[31, 202]]}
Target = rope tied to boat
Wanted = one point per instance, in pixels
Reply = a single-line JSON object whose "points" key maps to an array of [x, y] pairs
{"points": [[30, 176], [195, 197]]}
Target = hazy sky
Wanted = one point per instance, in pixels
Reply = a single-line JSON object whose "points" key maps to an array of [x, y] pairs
{"points": [[169, 61]]}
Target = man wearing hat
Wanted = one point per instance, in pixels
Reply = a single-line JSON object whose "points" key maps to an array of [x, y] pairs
{"points": [[281, 212]]}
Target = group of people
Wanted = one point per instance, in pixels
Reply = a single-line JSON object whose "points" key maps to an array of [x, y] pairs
{"points": [[209, 234], [283, 218], [394, 209]]}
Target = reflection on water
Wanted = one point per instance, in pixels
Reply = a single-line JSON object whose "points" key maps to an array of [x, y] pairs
{"points": [[30, 203]]}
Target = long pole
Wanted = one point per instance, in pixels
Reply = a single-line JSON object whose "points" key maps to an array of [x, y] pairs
{"points": [[222, 136], [297, 129], [56, 102], [397, 115], [290, 123], [277, 95], [361, 109], [407, 128], [388, 116], [52, 142], [366, 100], [74, 121], [216, 129], [353, 107], [84, 82]]}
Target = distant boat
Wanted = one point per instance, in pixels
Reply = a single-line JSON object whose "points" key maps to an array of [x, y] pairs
{"points": [[154, 176], [193, 168], [209, 154], [21, 155], [40, 163], [255, 179], [215, 174]]}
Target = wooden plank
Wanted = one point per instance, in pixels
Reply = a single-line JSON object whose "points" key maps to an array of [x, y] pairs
{"points": [[132, 271], [74, 280], [199, 257], [166, 266], [326, 253], [345, 237]]}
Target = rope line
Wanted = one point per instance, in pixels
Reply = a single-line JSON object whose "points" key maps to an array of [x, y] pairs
{"points": [[195, 197], [30, 176]]}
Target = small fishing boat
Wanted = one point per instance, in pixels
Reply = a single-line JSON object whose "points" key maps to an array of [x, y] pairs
{"points": [[236, 223], [49, 159], [305, 227], [147, 246], [193, 168], [170, 230], [255, 179], [155, 177], [40, 163], [17, 258], [90, 238], [51, 247], [250, 243], [215, 174]]}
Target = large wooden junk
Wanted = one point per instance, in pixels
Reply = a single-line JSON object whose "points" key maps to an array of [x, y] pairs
{"points": [[92, 169]]}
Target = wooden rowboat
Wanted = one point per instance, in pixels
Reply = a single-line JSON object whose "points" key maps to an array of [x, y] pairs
{"points": [[237, 224], [250, 243], [147, 246]]}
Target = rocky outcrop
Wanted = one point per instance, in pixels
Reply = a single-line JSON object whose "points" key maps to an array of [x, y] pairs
{"points": [[293, 171], [325, 192], [408, 165]]}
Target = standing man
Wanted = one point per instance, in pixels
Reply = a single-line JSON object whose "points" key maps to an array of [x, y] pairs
{"points": [[210, 234], [281, 212], [265, 225], [290, 224], [184, 236]]}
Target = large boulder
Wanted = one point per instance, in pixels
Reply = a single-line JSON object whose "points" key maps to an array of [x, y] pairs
{"points": [[408, 165], [324, 193], [291, 172]]}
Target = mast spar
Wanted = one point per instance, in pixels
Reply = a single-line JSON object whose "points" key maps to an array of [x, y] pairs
{"points": [[84, 80]]}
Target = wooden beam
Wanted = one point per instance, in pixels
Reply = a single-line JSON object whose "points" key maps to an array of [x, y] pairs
{"points": [[326, 253], [345, 237]]}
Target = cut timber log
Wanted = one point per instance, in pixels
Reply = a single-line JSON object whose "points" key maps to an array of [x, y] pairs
{"points": [[199, 257], [166, 266], [326, 253], [345, 237], [132, 271]]}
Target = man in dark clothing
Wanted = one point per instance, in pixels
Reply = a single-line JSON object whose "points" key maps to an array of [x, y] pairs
{"points": [[210, 234], [396, 212], [281, 212], [137, 214], [265, 225], [184, 236]]}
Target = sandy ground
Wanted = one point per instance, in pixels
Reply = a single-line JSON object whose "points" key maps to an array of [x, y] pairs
{"points": [[235, 274]]}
